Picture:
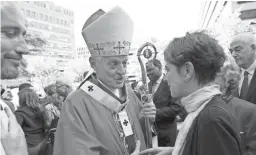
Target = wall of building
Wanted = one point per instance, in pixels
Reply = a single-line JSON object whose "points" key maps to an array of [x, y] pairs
{"points": [[212, 10], [82, 52], [248, 11], [52, 23]]}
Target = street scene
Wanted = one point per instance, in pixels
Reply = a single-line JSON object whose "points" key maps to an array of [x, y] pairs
{"points": [[128, 78]]}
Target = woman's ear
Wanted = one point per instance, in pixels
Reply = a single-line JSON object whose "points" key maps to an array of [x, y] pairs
{"points": [[188, 71]]}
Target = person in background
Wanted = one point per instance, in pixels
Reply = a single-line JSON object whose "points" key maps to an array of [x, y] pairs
{"points": [[228, 79], [134, 84], [13, 46], [63, 90], [24, 85], [53, 97], [32, 120], [243, 49]]}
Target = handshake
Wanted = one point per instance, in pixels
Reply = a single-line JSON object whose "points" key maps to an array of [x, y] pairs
{"points": [[152, 151]]}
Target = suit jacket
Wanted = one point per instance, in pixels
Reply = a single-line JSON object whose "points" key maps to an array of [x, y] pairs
{"points": [[246, 114], [215, 131], [166, 113], [251, 95]]}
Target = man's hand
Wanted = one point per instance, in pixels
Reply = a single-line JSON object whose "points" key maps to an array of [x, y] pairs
{"points": [[148, 111], [137, 149], [157, 151], [12, 137]]}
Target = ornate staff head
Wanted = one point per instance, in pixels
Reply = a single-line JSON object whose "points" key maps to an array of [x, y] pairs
{"points": [[148, 50]]}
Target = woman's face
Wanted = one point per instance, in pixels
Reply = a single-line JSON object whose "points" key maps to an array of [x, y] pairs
{"points": [[175, 80]]}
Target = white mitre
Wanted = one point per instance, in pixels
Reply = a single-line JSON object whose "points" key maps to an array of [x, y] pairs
{"points": [[110, 34]]}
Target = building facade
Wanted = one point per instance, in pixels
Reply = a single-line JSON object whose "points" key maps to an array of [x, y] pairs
{"points": [[82, 52], [51, 23], [247, 10], [212, 10]]}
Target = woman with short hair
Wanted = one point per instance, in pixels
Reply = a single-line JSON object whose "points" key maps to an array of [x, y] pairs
{"points": [[210, 127]]}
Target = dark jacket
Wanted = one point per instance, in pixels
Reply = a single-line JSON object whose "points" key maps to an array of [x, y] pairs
{"points": [[32, 124], [246, 113], [215, 131], [166, 113], [251, 95]]}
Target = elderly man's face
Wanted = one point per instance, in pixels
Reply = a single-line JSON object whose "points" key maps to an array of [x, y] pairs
{"points": [[111, 71], [242, 52], [13, 44]]}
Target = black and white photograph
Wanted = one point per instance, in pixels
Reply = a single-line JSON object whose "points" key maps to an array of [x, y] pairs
{"points": [[119, 77]]}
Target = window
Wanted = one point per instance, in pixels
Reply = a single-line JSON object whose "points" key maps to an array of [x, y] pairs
{"points": [[28, 13], [45, 17], [65, 23], [33, 14], [57, 21], [242, 2], [46, 27], [33, 24], [248, 14], [23, 11], [41, 16], [50, 19], [61, 22]]}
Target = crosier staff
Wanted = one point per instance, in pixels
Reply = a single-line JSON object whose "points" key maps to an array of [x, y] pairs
{"points": [[146, 96]]}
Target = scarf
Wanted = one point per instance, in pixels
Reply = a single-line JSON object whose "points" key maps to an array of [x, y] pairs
{"points": [[194, 104]]}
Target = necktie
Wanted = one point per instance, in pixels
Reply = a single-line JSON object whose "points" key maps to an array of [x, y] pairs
{"points": [[245, 86]]}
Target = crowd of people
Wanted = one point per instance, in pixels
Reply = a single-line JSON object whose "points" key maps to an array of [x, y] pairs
{"points": [[38, 117], [212, 101]]}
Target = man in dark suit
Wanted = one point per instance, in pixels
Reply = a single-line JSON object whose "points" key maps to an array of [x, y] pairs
{"points": [[243, 49], [167, 110]]}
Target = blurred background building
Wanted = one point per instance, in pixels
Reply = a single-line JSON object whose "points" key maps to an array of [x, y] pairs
{"points": [[212, 10], [50, 31]]}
